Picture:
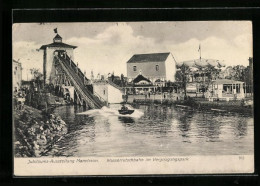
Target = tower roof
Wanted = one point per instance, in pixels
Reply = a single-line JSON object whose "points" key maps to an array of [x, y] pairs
{"points": [[63, 45], [57, 37], [57, 42]]}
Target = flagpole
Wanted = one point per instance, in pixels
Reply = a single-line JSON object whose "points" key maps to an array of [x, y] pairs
{"points": [[200, 52]]}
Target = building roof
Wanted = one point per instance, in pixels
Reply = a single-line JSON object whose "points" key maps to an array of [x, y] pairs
{"points": [[227, 81], [107, 82], [63, 45], [202, 63], [141, 78], [153, 57]]}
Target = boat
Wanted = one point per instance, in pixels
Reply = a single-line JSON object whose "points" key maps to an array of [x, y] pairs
{"points": [[220, 110], [184, 106], [124, 110]]}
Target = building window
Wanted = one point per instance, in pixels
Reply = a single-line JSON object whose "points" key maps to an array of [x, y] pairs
{"points": [[15, 68], [134, 68], [157, 67], [104, 92], [14, 72]]}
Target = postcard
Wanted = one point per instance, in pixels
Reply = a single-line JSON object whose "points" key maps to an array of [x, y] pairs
{"points": [[132, 98]]}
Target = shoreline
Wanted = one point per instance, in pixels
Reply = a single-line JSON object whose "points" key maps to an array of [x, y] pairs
{"points": [[220, 106]]}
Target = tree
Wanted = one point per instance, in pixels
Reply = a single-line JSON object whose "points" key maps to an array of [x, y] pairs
{"points": [[37, 76], [212, 73], [182, 77], [239, 73], [247, 76]]}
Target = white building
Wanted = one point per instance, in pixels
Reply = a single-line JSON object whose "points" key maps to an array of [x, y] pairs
{"points": [[154, 66], [225, 89], [108, 91], [17, 75]]}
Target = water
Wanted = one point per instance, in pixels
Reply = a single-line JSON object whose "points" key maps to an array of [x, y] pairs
{"points": [[153, 131]]}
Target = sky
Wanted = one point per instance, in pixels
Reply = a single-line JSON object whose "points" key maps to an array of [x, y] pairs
{"points": [[105, 47]]}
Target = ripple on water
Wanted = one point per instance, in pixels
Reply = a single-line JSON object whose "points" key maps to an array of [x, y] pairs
{"points": [[154, 130]]}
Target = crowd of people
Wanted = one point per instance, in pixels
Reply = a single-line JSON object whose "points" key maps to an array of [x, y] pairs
{"points": [[19, 98]]}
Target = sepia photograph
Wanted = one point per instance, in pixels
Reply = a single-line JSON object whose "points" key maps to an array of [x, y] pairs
{"points": [[173, 97]]}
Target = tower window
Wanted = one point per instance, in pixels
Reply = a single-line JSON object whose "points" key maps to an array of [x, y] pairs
{"points": [[104, 92], [157, 67], [134, 68]]}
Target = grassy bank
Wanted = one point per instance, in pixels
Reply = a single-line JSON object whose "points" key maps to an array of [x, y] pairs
{"points": [[42, 100], [35, 132]]}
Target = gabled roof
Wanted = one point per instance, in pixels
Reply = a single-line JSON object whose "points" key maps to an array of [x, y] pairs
{"points": [[153, 57], [141, 78], [63, 45], [57, 37]]}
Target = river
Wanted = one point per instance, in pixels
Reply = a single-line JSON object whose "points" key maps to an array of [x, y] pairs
{"points": [[153, 131]]}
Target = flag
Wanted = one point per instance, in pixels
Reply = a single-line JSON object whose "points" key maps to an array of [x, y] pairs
{"points": [[199, 48], [55, 30]]}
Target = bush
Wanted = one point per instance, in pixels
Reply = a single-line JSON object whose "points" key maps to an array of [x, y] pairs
{"points": [[190, 102]]}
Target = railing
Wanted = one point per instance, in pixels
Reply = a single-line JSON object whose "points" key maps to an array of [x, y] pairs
{"points": [[78, 82], [84, 88], [99, 97], [114, 85], [74, 67], [85, 92], [77, 86]]}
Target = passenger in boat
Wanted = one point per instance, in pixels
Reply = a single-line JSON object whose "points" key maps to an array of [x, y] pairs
{"points": [[124, 107], [126, 98]]}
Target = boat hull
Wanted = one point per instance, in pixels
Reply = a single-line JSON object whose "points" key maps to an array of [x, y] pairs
{"points": [[125, 112]]}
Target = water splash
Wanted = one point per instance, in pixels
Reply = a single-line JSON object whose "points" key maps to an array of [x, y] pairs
{"points": [[112, 111]]}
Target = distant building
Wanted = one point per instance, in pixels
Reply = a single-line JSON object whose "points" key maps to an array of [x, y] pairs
{"points": [[251, 71], [48, 55], [198, 75], [198, 71], [248, 77], [26, 84], [226, 89], [17, 75], [154, 66], [140, 85]]}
